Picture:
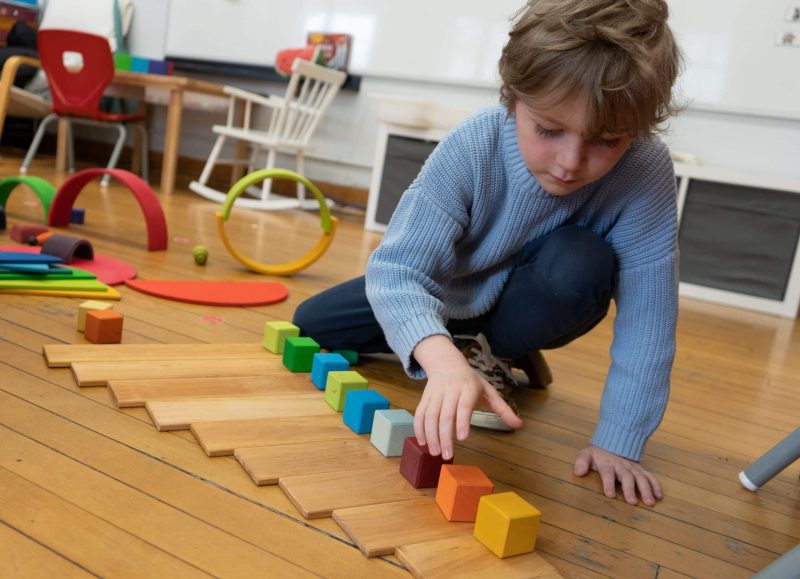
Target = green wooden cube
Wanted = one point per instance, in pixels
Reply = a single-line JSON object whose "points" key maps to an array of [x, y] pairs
{"points": [[123, 61], [298, 354], [349, 355], [339, 384], [275, 334]]}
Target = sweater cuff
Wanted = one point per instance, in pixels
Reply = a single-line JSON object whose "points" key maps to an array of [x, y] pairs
{"points": [[406, 337], [618, 440]]}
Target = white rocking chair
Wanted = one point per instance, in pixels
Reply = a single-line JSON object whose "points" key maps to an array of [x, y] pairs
{"points": [[292, 121]]}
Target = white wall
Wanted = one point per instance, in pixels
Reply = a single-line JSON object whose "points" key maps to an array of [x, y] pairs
{"points": [[748, 143], [344, 148]]}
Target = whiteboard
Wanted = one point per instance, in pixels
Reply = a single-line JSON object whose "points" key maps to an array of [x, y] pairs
{"points": [[733, 60], [449, 41]]}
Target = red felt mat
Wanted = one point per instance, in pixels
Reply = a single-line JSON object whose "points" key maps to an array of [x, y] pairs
{"points": [[108, 270], [213, 293]]}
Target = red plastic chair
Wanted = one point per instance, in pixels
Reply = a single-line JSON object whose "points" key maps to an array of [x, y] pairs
{"points": [[76, 90]]}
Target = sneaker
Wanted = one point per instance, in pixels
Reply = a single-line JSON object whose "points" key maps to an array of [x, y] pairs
{"points": [[496, 372], [536, 369]]}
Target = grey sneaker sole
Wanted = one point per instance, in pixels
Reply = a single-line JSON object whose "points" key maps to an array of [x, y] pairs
{"points": [[489, 420]]}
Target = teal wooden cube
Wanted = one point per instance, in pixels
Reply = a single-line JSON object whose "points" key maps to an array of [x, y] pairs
{"points": [[390, 429], [139, 64], [275, 334], [324, 363], [360, 407], [298, 354], [339, 384]]}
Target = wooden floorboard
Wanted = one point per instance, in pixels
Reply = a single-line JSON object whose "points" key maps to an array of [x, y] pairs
{"points": [[89, 489]]}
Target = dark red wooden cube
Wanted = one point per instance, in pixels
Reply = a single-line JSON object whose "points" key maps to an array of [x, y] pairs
{"points": [[419, 466]]}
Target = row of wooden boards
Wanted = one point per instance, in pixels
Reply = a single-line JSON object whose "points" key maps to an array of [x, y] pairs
{"points": [[237, 399]]}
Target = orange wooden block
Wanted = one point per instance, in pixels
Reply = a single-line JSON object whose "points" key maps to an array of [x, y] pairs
{"points": [[460, 490], [103, 326]]}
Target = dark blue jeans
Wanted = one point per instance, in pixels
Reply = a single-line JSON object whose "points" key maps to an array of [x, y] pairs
{"points": [[559, 289]]}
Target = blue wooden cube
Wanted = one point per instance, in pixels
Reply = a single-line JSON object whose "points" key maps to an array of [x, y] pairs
{"points": [[324, 363], [360, 407], [139, 64], [158, 67], [77, 215], [390, 429], [298, 354]]}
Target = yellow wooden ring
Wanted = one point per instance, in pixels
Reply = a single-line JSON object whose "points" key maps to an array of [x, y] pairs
{"points": [[327, 221]]}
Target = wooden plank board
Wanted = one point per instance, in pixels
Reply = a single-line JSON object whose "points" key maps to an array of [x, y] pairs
{"points": [[464, 557], [179, 414], [190, 539], [110, 442], [17, 552], [99, 373], [266, 464], [223, 437], [380, 529], [318, 495], [131, 393], [62, 355], [43, 516]]}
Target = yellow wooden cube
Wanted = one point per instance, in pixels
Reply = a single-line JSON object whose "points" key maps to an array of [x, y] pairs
{"points": [[275, 334], [90, 305], [339, 384], [507, 524]]}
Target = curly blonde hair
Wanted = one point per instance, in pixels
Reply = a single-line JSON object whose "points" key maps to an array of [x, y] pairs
{"points": [[619, 54]]}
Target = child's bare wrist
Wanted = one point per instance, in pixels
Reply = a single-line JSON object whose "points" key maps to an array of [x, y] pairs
{"points": [[436, 353]]}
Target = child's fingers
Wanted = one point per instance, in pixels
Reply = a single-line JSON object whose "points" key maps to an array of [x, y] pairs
{"points": [[419, 422], [446, 419], [645, 490], [463, 416], [500, 407], [657, 490], [609, 478], [432, 426], [628, 482], [582, 463]]}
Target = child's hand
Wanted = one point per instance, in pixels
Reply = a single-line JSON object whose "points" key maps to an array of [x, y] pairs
{"points": [[613, 468], [451, 394]]}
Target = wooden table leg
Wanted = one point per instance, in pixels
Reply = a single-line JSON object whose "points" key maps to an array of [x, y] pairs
{"points": [[61, 145], [171, 139], [136, 154]]}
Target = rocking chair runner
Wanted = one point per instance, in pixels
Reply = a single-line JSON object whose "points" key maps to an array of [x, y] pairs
{"points": [[292, 121]]}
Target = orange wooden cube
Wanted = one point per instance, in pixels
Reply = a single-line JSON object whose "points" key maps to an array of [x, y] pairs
{"points": [[103, 326], [460, 490]]}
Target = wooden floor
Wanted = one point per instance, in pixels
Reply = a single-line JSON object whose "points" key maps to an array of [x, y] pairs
{"points": [[90, 489]]}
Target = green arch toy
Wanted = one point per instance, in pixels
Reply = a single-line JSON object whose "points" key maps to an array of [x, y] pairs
{"points": [[43, 189]]}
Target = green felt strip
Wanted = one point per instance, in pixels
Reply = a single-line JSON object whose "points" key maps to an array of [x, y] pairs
{"points": [[62, 273]]}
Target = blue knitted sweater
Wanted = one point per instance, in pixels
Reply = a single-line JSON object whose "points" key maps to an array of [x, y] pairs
{"points": [[450, 245]]}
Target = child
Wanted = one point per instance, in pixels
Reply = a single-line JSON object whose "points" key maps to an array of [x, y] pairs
{"points": [[523, 224]]}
